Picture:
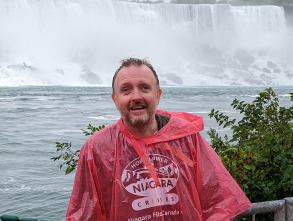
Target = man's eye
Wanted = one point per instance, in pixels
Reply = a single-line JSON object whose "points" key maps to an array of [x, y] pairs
{"points": [[125, 89], [145, 88]]}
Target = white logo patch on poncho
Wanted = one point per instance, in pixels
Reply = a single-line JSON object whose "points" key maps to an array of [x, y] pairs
{"points": [[137, 180]]}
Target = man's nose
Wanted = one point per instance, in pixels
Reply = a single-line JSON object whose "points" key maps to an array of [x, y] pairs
{"points": [[136, 95]]}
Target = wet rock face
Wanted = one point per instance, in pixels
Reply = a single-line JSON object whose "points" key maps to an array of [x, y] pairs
{"points": [[266, 70], [90, 77], [21, 67], [289, 15], [174, 78], [271, 65], [243, 57]]}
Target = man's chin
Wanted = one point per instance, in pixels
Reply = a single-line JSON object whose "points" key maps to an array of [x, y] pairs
{"points": [[139, 121]]}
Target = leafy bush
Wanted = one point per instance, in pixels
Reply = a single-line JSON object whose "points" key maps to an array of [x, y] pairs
{"points": [[260, 153], [69, 157]]}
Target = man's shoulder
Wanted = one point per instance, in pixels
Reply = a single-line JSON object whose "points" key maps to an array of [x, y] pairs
{"points": [[106, 133], [183, 120], [101, 143], [103, 138]]}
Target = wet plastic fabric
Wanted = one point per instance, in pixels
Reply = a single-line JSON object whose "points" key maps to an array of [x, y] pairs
{"points": [[172, 175]]}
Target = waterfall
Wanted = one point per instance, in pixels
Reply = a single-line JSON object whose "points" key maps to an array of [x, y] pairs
{"points": [[80, 42]]}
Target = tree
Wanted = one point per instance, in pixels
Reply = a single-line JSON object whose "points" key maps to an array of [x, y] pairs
{"points": [[67, 155], [260, 153]]}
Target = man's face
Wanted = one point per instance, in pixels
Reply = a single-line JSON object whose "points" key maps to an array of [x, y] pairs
{"points": [[136, 96]]}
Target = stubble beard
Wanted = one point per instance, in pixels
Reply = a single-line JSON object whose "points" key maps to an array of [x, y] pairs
{"points": [[138, 122]]}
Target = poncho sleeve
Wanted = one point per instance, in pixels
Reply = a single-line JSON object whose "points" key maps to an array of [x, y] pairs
{"points": [[220, 196], [86, 201]]}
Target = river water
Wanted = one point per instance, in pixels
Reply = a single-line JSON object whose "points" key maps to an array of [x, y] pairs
{"points": [[32, 119]]}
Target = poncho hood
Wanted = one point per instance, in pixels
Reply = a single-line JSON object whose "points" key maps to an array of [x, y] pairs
{"points": [[181, 124]]}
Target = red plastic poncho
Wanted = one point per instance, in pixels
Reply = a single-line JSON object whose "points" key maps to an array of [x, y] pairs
{"points": [[172, 175]]}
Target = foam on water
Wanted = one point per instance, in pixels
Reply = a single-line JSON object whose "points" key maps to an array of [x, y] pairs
{"points": [[106, 117], [80, 42]]}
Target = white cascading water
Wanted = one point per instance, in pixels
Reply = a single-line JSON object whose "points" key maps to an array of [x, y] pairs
{"points": [[80, 42]]}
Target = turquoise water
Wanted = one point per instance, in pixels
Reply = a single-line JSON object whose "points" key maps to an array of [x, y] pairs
{"points": [[32, 119]]}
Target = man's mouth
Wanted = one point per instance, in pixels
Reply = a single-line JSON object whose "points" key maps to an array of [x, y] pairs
{"points": [[137, 108]]}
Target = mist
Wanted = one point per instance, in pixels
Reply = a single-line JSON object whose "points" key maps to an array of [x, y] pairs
{"points": [[81, 42]]}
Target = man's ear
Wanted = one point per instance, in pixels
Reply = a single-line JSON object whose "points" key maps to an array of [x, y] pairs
{"points": [[114, 100], [159, 96]]}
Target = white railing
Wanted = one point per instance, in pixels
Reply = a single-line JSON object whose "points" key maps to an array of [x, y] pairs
{"points": [[282, 209]]}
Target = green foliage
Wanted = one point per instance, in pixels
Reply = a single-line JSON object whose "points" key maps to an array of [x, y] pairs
{"points": [[67, 155], [260, 153], [92, 130]]}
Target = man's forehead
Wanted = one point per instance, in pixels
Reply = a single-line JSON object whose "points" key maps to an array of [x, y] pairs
{"points": [[135, 72]]}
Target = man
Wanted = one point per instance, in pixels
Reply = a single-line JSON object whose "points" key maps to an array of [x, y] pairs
{"points": [[151, 164]]}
